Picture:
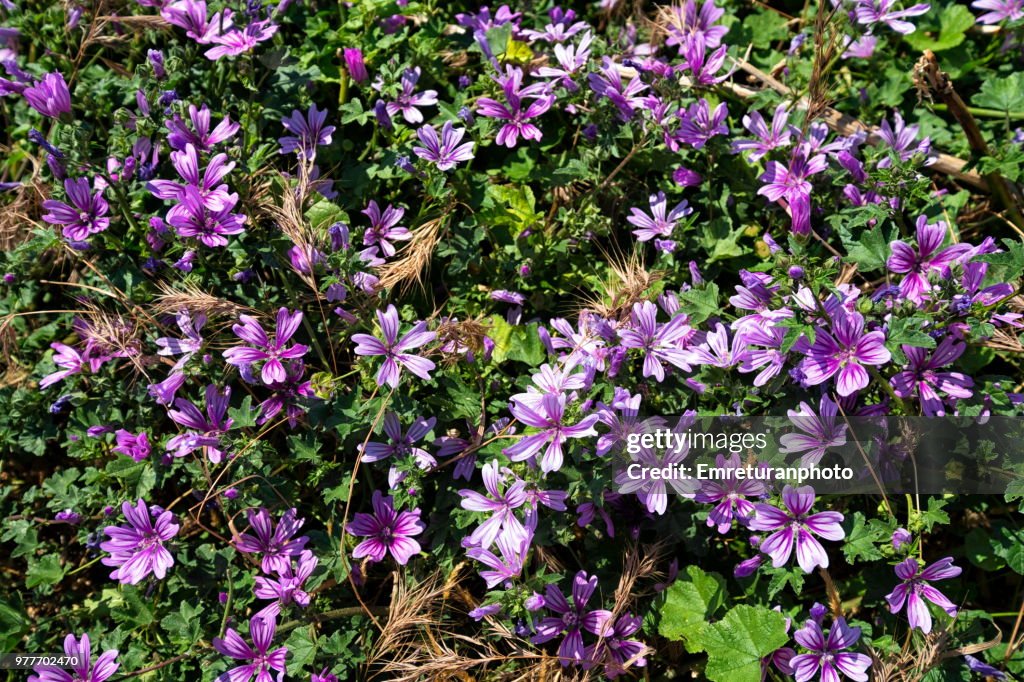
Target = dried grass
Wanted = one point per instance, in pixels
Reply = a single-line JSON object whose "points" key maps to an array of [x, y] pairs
{"points": [[628, 283], [190, 297], [918, 658], [413, 261], [418, 641]]}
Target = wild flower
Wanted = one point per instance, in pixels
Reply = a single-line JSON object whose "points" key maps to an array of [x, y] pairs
{"points": [[394, 349], [794, 528], [516, 118], [915, 589], [84, 216], [137, 549], [84, 670], [386, 531], [260, 659], [263, 350], [276, 544]]}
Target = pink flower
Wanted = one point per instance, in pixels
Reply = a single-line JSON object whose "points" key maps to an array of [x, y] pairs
{"points": [[914, 590], [844, 351], [138, 548], [387, 531], [394, 349]]}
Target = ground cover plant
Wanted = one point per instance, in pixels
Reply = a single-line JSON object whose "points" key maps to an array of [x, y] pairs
{"points": [[320, 322]]}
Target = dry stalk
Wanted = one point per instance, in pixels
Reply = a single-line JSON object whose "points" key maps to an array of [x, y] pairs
{"points": [[931, 81], [414, 260]]}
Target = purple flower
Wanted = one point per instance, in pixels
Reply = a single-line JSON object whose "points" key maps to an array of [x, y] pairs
{"points": [[138, 548], [213, 194], [276, 544], [68, 516], [165, 391], [85, 671], [615, 650], [546, 414], [915, 589], [408, 100], [861, 48], [699, 124], [509, 565], [501, 505], [262, 627], [794, 527], [384, 227], [572, 619], [191, 218], [204, 430], [190, 15], [67, 358], [920, 377], [571, 60], [355, 64], [134, 446], [701, 67], [236, 42], [666, 342], [829, 655], [307, 132], [901, 139], [189, 345], [50, 96], [203, 138], [400, 444], [983, 668], [262, 349], [395, 350], [871, 12], [791, 184], [900, 537], [844, 351], [515, 116], [657, 224], [929, 257], [386, 531], [323, 676], [686, 22], [820, 432], [85, 215], [767, 140], [608, 82], [729, 495], [446, 152], [999, 10], [287, 587]]}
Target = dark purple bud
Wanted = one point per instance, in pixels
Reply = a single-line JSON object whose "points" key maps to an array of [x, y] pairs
{"points": [[167, 98], [9, 278], [380, 111], [466, 116], [185, 262], [231, 493], [222, 597], [796, 272], [590, 131], [339, 235], [37, 137], [464, 82], [156, 60], [60, 404], [684, 177], [74, 16]]}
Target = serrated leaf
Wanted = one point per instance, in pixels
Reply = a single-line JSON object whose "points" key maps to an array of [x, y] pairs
{"points": [[700, 303], [738, 642], [46, 571], [861, 539], [870, 250], [1004, 93], [302, 649], [689, 603]]}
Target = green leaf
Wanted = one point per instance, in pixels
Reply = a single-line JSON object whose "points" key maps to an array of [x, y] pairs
{"points": [[323, 214], [302, 649], [869, 251], [46, 571], [184, 626], [860, 541], [738, 642], [700, 303], [689, 604], [953, 24], [1009, 547], [519, 342], [1005, 93]]}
